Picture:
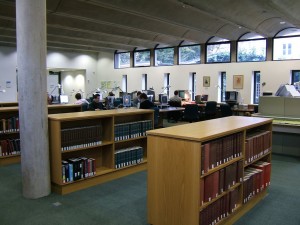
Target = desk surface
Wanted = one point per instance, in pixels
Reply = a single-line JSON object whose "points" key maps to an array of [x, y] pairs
{"points": [[171, 109]]}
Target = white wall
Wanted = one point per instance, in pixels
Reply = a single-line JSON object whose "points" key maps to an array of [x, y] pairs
{"points": [[101, 68], [8, 65], [63, 60], [273, 73]]}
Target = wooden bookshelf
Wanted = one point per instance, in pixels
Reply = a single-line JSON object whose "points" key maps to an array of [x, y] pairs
{"points": [[175, 178], [8, 104], [13, 112], [103, 153]]}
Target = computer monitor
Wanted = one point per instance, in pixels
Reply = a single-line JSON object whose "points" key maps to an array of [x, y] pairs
{"points": [[150, 98], [181, 94], [110, 102], [164, 99], [204, 98], [64, 99], [198, 99], [231, 96], [126, 100], [151, 92]]}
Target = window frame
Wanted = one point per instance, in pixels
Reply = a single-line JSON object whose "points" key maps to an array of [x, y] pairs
{"points": [[248, 40], [118, 53], [155, 58], [287, 48]]}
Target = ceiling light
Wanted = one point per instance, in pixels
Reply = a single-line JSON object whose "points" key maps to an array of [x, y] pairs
{"points": [[282, 22]]}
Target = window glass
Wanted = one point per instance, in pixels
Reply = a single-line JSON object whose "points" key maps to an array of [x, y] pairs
{"points": [[216, 53], [286, 48], [251, 51], [223, 86], [142, 58], [189, 54], [164, 57], [256, 86], [122, 60]]}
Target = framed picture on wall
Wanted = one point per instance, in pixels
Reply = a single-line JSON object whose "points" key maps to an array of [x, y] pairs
{"points": [[238, 81], [206, 81]]}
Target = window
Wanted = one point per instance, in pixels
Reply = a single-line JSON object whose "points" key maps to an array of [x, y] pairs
{"points": [[223, 86], [192, 85], [141, 58], [166, 87], [164, 57], [124, 83], [144, 82], [295, 76], [122, 60], [189, 54], [218, 53], [251, 50], [286, 44], [256, 87]]}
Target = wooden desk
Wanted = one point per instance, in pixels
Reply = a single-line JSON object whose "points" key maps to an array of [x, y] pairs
{"points": [[164, 111]]}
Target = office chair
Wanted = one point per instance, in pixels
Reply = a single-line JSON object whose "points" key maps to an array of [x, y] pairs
{"points": [[156, 117], [225, 110], [84, 107], [176, 115], [210, 110], [191, 113]]}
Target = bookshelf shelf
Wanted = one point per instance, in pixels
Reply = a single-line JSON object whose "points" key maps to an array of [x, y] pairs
{"points": [[178, 192], [83, 167]]}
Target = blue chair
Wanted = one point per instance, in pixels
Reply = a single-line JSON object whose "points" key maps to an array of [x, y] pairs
{"points": [[191, 113]]}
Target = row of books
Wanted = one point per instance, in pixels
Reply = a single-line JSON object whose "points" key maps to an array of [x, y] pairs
{"points": [[126, 131], [257, 144], [78, 168], [10, 147], [256, 178], [220, 181], [219, 151], [128, 156], [9, 125], [81, 137], [220, 209]]}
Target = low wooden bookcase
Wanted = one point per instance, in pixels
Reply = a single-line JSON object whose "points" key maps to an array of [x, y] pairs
{"points": [[9, 130], [208, 172], [116, 133]]}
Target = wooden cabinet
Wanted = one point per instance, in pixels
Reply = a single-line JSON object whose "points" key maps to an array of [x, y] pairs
{"points": [[182, 191], [92, 135], [9, 130]]}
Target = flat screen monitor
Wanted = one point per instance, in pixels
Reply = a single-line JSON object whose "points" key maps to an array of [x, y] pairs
{"points": [[64, 99], [198, 99], [126, 100]]}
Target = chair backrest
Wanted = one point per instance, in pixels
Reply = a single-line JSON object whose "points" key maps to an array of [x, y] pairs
{"points": [[84, 107], [175, 103], [225, 110], [156, 116], [191, 112], [211, 107], [198, 99]]}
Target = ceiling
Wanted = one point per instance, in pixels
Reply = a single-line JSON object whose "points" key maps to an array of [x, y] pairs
{"points": [[125, 25]]}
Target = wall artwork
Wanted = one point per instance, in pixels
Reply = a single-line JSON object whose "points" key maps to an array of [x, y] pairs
{"points": [[238, 81], [206, 81]]}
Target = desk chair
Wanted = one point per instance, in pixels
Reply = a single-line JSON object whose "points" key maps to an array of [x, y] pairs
{"points": [[176, 115], [210, 110], [84, 107], [156, 117], [191, 113], [225, 110]]}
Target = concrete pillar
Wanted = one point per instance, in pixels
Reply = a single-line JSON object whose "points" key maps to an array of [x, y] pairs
{"points": [[32, 83]]}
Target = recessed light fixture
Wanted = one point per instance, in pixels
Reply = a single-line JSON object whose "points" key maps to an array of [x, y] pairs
{"points": [[282, 22]]}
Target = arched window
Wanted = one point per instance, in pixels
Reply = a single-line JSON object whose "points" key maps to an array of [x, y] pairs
{"points": [[218, 50], [286, 44]]}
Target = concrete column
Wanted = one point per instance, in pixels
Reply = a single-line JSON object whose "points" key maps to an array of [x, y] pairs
{"points": [[32, 83]]}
